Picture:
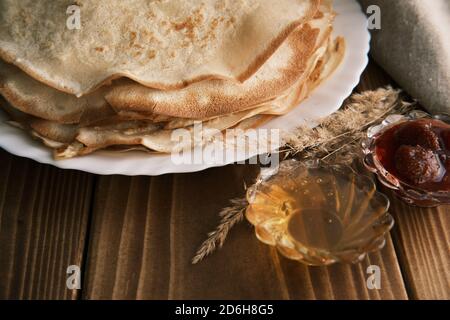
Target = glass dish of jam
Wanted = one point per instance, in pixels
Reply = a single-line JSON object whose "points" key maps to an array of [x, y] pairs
{"points": [[411, 155]]}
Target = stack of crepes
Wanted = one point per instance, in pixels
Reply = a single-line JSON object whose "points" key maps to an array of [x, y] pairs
{"points": [[136, 70]]}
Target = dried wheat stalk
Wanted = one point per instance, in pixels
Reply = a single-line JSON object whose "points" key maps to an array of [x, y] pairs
{"points": [[230, 216], [337, 138]]}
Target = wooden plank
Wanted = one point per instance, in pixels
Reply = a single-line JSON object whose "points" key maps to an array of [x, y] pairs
{"points": [[43, 221], [373, 78], [422, 241], [344, 282], [146, 230]]}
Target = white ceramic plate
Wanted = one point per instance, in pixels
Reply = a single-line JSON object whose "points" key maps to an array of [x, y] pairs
{"points": [[350, 23]]}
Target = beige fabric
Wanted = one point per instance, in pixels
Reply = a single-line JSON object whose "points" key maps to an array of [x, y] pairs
{"points": [[413, 47]]}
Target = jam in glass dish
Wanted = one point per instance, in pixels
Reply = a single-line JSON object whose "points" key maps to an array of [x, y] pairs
{"points": [[411, 155]]}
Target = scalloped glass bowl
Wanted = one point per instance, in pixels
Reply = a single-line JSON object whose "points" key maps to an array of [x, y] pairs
{"points": [[318, 215], [412, 195]]}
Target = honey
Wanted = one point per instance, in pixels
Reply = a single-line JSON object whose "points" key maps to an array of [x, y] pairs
{"points": [[315, 228], [319, 215]]}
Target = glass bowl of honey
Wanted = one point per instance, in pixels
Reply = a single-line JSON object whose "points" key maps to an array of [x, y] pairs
{"points": [[318, 215], [411, 155]]}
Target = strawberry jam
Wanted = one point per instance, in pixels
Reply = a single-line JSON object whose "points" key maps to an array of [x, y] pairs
{"points": [[417, 153]]}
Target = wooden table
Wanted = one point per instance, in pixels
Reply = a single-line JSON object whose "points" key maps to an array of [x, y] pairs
{"points": [[133, 238]]}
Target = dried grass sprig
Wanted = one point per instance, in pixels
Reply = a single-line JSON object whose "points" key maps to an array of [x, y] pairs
{"points": [[336, 138], [230, 216], [343, 130]]}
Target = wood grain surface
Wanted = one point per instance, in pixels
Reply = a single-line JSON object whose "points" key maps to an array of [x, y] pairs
{"points": [[43, 220], [134, 238], [422, 241], [142, 247]]}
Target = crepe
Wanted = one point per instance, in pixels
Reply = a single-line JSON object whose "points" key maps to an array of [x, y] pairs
{"points": [[72, 140], [323, 68], [158, 43], [217, 97], [32, 97], [199, 101]]}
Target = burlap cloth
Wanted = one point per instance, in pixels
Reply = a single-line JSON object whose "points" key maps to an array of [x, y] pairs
{"points": [[413, 47]]}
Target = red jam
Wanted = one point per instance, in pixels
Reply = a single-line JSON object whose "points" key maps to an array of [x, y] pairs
{"points": [[417, 153]]}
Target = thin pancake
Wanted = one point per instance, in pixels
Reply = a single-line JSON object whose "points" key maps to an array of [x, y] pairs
{"points": [[217, 97], [70, 141], [325, 66], [33, 97], [199, 101], [160, 44]]}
